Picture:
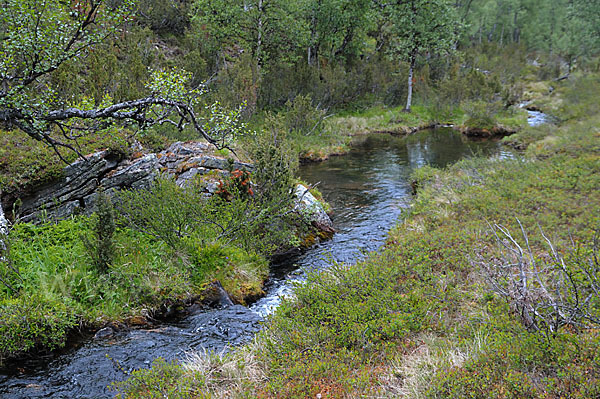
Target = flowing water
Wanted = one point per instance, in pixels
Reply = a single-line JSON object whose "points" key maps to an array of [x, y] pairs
{"points": [[535, 118], [367, 189]]}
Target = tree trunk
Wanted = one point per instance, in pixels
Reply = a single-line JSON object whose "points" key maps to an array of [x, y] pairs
{"points": [[516, 30], [3, 235], [490, 35], [410, 83], [260, 35]]}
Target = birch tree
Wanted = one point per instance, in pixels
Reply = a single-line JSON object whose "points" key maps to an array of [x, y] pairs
{"points": [[39, 36], [419, 27]]}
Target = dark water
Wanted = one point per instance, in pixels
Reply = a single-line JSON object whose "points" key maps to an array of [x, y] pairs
{"points": [[367, 189]]}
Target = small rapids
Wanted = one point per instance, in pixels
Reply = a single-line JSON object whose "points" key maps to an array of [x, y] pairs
{"points": [[534, 117]]}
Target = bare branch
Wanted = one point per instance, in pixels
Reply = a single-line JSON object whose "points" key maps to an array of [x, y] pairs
{"points": [[545, 298]]}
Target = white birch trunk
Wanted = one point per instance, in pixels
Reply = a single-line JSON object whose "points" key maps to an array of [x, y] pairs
{"points": [[410, 84], [3, 235]]}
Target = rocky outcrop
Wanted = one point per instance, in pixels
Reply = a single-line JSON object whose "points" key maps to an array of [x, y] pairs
{"points": [[76, 191]]}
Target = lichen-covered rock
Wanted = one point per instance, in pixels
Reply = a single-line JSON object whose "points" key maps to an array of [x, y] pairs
{"points": [[312, 211], [76, 191]]}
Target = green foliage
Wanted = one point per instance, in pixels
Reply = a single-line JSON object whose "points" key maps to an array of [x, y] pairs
{"points": [[245, 210], [462, 85], [26, 162], [302, 117], [31, 321], [418, 27], [578, 99], [337, 29], [481, 114], [522, 365], [421, 26], [343, 319], [329, 335], [44, 33], [164, 17], [241, 273], [268, 29], [164, 211], [162, 380], [101, 248], [423, 176]]}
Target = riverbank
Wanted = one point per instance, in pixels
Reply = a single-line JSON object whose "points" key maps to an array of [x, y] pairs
{"points": [[422, 318], [149, 255], [147, 282], [360, 199], [141, 288], [342, 131]]}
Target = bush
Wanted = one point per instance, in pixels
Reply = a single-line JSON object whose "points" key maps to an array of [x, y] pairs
{"points": [[163, 380], [302, 117], [249, 211], [31, 321], [101, 247], [164, 211], [481, 114], [548, 294]]}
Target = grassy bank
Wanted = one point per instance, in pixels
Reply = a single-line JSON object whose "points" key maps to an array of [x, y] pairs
{"points": [[147, 253], [422, 318], [54, 284], [315, 136]]}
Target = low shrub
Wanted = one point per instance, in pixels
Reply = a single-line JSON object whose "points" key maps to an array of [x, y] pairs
{"points": [[525, 365], [163, 380], [101, 247], [31, 321]]}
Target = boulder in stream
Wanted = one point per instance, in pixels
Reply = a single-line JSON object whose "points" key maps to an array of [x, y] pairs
{"points": [[312, 211], [106, 332]]}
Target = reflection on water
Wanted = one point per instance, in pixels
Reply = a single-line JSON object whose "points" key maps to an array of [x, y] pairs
{"points": [[367, 189]]}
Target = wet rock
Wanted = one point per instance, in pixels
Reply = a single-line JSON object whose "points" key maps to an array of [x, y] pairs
{"points": [[104, 333], [217, 296], [224, 298], [88, 371], [138, 321]]}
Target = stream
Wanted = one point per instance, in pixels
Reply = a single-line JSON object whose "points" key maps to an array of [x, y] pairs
{"points": [[367, 189]]}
